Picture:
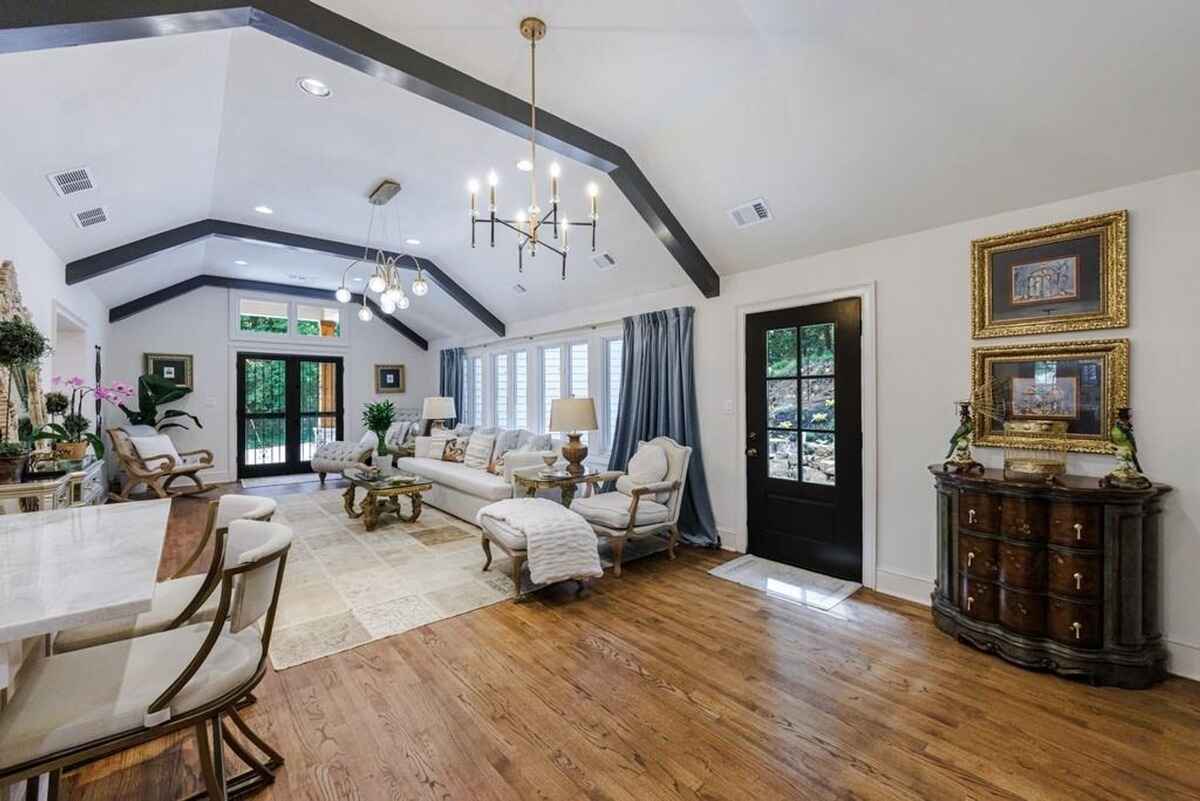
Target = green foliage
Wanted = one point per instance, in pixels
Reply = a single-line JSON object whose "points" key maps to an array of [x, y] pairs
{"points": [[152, 393], [56, 403], [11, 449], [781, 352], [378, 417], [21, 343], [59, 432], [263, 324], [312, 328]]}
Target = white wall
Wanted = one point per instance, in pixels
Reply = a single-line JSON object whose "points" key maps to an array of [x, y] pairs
{"points": [[922, 284], [41, 279], [199, 323]]}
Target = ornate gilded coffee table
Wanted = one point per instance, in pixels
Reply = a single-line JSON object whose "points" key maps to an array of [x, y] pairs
{"points": [[532, 479], [383, 494]]}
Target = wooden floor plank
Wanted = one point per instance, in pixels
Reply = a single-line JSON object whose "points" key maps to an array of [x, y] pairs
{"points": [[670, 684]]}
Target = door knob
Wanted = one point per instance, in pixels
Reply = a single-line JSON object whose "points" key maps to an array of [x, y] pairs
{"points": [[752, 452]]}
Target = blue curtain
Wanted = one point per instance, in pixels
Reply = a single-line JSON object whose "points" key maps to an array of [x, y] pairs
{"points": [[658, 398], [450, 385]]}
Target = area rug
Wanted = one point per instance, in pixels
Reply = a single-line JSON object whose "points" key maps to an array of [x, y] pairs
{"points": [[344, 586], [786, 582], [275, 481]]}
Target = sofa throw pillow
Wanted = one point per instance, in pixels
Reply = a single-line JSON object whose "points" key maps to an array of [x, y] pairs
{"points": [[539, 442], [157, 445], [463, 430], [455, 450], [505, 442], [647, 466], [479, 451]]}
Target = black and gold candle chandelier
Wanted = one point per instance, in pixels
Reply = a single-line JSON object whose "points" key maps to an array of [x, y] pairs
{"points": [[529, 223]]}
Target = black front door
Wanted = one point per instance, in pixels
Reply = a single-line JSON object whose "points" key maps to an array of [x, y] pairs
{"points": [[804, 437], [287, 406]]}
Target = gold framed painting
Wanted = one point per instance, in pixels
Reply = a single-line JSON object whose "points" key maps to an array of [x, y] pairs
{"points": [[173, 367], [1053, 395], [389, 378], [1070, 276]]}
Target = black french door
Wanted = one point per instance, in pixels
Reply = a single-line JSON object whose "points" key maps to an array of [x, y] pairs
{"points": [[287, 407], [804, 437]]}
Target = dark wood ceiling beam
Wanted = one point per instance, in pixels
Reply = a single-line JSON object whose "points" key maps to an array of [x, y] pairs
{"points": [[58, 23], [99, 264], [169, 293]]}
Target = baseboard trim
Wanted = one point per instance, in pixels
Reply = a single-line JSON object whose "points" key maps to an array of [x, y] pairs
{"points": [[899, 584], [1183, 659]]}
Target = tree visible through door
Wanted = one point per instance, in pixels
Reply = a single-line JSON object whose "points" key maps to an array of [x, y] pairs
{"points": [[804, 437], [287, 407]]}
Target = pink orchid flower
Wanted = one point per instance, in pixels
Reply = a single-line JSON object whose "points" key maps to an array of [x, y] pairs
{"points": [[56, 380]]}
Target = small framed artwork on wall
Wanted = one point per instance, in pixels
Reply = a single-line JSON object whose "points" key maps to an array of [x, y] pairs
{"points": [[389, 378], [1070, 276], [173, 367]]}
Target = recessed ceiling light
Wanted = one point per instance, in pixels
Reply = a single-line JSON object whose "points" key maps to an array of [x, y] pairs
{"points": [[241, 262], [314, 87], [356, 280], [412, 241], [524, 165], [264, 209]]}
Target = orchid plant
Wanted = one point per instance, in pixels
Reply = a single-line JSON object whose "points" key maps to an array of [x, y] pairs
{"points": [[73, 427]]}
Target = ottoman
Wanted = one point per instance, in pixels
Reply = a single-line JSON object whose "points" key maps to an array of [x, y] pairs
{"points": [[513, 542], [507, 539]]}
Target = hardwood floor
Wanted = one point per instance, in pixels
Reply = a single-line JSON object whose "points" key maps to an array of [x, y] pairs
{"points": [[670, 684]]}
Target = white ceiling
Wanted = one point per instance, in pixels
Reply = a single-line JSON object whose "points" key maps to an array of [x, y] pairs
{"points": [[856, 121]]}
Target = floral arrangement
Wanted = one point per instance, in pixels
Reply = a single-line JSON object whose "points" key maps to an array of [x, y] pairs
{"points": [[72, 429]]}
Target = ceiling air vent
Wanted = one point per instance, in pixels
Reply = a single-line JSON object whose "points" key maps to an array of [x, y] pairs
{"points": [[752, 213], [604, 261], [89, 217], [69, 182]]}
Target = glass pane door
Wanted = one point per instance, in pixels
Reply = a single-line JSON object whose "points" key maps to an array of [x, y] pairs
{"points": [[264, 412], [288, 406]]}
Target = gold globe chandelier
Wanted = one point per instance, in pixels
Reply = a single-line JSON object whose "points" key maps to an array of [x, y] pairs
{"points": [[385, 279], [528, 223]]}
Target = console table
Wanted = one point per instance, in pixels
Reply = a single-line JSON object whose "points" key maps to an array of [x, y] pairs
{"points": [[1061, 577], [83, 487]]}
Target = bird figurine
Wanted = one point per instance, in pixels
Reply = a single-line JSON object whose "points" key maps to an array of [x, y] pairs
{"points": [[959, 457], [1128, 472]]}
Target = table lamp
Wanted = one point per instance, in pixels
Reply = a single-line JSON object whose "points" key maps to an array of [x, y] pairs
{"points": [[438, 410], [571, 416]]}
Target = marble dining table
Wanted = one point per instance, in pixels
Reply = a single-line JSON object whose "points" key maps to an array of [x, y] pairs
{"points": [[71, 567]]}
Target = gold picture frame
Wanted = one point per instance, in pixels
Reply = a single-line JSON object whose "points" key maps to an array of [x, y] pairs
{"points": [[1075, 299], [1101, 368], [389, 378], [174, 367]]}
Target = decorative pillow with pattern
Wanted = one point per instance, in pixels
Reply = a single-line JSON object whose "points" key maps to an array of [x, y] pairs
{"points": [[505, 442], [455, 450], [479, 451]]}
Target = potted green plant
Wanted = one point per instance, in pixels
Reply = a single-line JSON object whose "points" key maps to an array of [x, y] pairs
{"points": [[68, 429], [153, 392], [21, 346], [378, 418]]}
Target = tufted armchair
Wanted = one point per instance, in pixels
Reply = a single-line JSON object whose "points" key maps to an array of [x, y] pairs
{"points": [[646, 500]]}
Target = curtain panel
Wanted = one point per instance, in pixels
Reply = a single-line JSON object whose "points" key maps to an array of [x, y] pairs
{"points": [[658, 398], [450, 383]]}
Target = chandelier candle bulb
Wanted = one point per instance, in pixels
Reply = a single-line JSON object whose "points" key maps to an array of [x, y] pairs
{"points": [[594, 192], [555, 170], [404, 302], [565, 225], [473, 188], [342, 295], [493, 179]]}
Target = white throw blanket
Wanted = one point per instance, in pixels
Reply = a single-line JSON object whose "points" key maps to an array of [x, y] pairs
{"points": [[560, 543]]}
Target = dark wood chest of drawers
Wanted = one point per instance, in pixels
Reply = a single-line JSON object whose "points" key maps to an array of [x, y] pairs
{"points": [[1060, 577]]}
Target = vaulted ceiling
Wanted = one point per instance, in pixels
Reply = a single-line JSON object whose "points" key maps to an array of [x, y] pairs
{"points": [[855, 122]]}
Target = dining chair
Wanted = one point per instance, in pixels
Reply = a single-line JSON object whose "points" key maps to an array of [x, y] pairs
{"points": [[181, 599], [638, 508], [85, 705]]}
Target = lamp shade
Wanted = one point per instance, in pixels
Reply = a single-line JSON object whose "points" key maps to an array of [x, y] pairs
{"points": [[569, 415], [438, 408]]}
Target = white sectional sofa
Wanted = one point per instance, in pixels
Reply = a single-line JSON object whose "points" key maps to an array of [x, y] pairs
{"points": [[461, 490]]}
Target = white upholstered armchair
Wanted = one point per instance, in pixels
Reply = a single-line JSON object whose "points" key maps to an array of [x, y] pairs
{"points": [[647, 498]]}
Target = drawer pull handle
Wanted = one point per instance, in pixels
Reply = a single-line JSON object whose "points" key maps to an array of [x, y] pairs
{"points": [[970, 515], [970, 557], [1078, 627], [1025, 527], [1078, 531], [1078, 581], [970, 602]]}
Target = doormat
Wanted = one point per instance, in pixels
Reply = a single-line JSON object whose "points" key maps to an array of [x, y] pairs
{"points": [[788, 583], [275, 481]]}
